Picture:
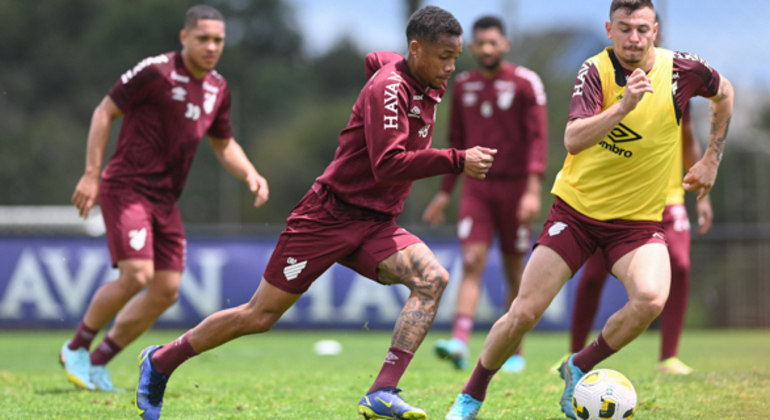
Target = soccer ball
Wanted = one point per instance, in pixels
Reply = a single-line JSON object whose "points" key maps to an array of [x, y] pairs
{"points": [[604, 394]]}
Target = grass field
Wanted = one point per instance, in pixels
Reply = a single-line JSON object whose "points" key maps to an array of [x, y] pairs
{"points": [[277, 376]]}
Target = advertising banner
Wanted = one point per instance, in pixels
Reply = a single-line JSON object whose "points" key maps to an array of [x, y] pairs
{"points": [[48, 282]]}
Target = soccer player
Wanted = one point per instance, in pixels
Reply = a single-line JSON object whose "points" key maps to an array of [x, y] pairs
{"points": [[169, 102], [348, 216], [622, 137], [501, 105], [677, 230], [676, 225]]}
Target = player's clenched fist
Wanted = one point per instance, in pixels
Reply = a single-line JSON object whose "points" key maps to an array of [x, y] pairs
{"points": [[637, 85], [478, 160]]}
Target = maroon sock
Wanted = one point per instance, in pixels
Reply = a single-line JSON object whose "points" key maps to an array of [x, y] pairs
{"points": [[478, 383], [106, 350], [169, 357], [394, 366], [587, 295], [672, 317], [590, 356], [462, 326], [83, 337]]}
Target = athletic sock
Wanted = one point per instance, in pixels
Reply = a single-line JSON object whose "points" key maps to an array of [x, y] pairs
{"points": [[587, 296], [672, 317], [393, 368], [167, 358], [462, 326], [478, 383], [83, 337], [105, 351], [590, 356]]}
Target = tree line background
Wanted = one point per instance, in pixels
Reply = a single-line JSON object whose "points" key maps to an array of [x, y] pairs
{"points": [[60, 58]]}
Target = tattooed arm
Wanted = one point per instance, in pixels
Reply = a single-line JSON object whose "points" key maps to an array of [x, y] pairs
{"points": [[701, 176]]}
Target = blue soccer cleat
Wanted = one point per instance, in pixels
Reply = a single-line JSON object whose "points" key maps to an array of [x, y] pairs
{"points": [[571, 375], [152, 385], [454, 350], [77, 365], [464, 408], [514, 364], [100, 377], [387, 404]]}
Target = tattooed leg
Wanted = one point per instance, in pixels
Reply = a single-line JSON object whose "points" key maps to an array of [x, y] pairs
{"points": [[416, 267]]}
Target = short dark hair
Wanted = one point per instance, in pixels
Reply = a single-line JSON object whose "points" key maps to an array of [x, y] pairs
{"points": [[201, 11], [630, 5], [486, 22], [427, 23]]}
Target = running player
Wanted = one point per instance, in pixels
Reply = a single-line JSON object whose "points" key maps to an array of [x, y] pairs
{"points": [[502, 105], [348, 216], [622, 137], [168, 103], [676, 225]]}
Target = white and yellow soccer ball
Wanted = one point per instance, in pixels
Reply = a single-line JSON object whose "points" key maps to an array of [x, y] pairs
{"points": [[604, 394]]}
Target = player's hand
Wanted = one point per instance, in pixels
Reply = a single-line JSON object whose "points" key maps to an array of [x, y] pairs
{"points": [[637, 85], [700, 177], [529, 208], [258, 187], [86, 193], [705, 215], [434, 213], [478, 161]]}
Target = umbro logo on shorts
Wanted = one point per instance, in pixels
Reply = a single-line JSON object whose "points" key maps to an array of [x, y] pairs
{"points": [[556, 228], [292, 270]]}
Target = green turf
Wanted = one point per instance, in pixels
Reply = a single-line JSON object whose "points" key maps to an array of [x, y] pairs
{"points": [[277, 376]]}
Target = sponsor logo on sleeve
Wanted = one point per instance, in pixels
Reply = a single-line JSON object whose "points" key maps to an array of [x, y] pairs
{"points": [[391, 101]]}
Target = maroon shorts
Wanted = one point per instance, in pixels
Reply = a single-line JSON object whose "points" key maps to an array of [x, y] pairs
{"points": [[489, 206], [677, 228], [575, 236], [139, 228], [322, 230]]}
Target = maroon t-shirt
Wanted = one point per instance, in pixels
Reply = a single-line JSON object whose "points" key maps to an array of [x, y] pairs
{"points": [[166, 112], [386, 144], [692, 76], [507, 113]]}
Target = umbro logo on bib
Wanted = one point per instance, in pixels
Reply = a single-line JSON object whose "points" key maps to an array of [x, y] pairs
{"points": [[621, 134]]}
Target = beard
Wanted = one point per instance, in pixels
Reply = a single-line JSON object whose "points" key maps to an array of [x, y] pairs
{"points": [[491, 65]]}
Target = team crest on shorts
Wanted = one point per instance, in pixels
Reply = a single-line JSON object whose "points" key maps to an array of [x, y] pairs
{"points": [[556, 228], [292, 270], [137, 238]]}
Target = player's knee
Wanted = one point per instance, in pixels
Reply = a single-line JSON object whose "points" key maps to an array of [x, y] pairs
{"points": [[473, 261], [134, 281], [522, 318], [439, 279], [167, 298], [649, 306], [254, 321], [431, 281]]}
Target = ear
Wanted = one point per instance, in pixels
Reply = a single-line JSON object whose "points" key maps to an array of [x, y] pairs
{"points": [[182, 37], [608, 27], [414, 47], [506, 44]]}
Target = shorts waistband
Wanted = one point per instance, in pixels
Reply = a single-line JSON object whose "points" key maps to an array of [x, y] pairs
{"points": [[342, 209]]}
